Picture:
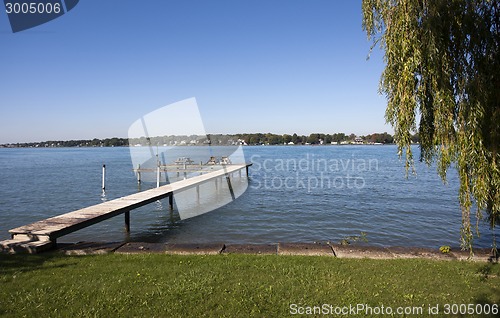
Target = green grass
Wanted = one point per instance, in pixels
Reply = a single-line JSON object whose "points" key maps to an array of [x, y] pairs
{"points": [[152, 285]]}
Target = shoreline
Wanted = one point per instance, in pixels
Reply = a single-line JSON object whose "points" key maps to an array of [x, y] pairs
{"points": [[280, 249]]}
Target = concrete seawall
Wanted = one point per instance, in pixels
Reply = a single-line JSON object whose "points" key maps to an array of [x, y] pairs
{"points": [[311, 249]]}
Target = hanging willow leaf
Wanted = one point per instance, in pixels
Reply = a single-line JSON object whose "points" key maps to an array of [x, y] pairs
{"points": [[442, 74]]}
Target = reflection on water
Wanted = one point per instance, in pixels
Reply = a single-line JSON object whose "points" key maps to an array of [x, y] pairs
{"points": [[103, 196]]}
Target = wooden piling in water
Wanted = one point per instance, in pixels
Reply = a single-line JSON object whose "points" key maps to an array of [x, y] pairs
{"points": [[127, 221], [138, 173], [228, 179], [171, 201]]}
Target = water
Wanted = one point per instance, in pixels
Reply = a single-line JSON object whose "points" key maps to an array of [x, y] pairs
{"points": [[295, 194]]}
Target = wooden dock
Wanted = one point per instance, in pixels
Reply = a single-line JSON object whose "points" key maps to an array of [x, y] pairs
{"points": [[42, 235]]}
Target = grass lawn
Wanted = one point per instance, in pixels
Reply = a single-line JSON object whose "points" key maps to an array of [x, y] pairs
{"points": [[158, 285]]}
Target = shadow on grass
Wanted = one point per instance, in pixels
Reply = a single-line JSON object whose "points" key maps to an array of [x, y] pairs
{"points": [[487, 304], [489, 270], [16, 263], [491, 298]]}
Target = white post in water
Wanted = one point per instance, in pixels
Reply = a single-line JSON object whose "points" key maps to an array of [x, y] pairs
{"points": [[158, 176], [103, 178]]}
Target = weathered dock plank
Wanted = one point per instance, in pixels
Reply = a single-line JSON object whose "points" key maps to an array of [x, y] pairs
{"points": [[52, 228]]}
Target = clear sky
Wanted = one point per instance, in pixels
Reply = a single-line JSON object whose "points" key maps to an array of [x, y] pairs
{"points": [[280, 66]]}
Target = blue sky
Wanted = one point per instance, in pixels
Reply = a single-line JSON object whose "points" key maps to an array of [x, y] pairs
{"points": [[254, 66]]}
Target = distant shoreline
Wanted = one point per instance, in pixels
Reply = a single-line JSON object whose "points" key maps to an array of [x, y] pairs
{"points": [[253, 139], [15, 146]]}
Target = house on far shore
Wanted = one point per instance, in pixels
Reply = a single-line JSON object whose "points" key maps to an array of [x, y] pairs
{"points": [[241, 142], [358, 141]]}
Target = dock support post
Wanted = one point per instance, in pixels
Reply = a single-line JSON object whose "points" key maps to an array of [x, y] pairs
{"points": [[103, 178], [171, 201], [228, 179], [127, 221], [139, 173], [247, 170]]}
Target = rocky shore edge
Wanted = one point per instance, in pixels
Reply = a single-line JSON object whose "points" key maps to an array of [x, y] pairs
{"points": [[310, 249]]}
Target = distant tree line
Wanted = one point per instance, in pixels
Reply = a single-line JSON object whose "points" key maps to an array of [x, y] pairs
{"points": [[317, 139], [273, 139], [108, 142], [219, 140]]}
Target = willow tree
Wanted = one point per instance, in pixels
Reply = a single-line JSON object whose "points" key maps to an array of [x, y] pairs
{"points": [[441, 80]]}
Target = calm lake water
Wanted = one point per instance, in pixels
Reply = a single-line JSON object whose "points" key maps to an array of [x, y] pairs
{"points": [[294, 194]]}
